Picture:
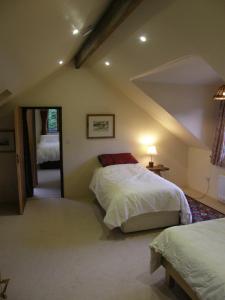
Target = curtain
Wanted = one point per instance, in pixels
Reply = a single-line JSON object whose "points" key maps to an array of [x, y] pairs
{"points": [[218, 151], [44, 121]]}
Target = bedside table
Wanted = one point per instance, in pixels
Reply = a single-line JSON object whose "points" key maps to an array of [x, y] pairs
{"points": [[158, 169]]}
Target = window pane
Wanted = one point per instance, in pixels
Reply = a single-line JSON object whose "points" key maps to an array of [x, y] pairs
{"points": [[52, 120]]}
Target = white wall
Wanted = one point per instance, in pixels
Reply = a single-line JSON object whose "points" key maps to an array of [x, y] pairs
{"points": [[79, 92], [175, 29], [191, 105], [199, 167]]}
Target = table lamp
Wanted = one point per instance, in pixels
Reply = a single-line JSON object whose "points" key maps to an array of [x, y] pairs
{"points": [[152, 151]]}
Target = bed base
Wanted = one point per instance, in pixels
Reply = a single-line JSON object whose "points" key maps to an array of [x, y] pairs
{"points": [[173, 276], [151, 220], [50, 165]]}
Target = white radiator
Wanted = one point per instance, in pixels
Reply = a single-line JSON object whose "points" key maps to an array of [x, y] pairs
{"points": [[221, 188]]}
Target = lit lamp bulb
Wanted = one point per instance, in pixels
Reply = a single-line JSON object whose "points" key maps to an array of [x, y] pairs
{"points": [[152, 151]]}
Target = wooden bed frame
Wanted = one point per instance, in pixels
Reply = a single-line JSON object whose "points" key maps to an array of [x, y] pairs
{"points": [[173, 276]]}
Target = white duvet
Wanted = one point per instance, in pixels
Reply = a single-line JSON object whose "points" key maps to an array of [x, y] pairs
{"points": [[197, 252], [128, 190], [48, 149]]}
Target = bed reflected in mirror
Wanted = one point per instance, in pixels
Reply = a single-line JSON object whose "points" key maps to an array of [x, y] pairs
{"points": [[48, 153], [42, 152]]}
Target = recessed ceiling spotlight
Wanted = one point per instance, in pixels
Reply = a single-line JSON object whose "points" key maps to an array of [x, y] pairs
{"points": [[75, 31], [60, 62], [107, 63], [143, 38]]}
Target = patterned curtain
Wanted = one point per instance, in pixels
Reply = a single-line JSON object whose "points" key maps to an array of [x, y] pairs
{"points": [[218, 151]]}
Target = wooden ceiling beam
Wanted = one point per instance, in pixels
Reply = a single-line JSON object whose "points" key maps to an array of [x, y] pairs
{"points": [[116, 12]]}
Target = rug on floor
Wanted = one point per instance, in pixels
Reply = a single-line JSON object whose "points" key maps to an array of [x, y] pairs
{"points": [[202, 212]]}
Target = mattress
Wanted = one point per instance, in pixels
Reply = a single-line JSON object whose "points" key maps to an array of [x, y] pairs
{"points": [[129, 190], [48, 149], [197, 253]]}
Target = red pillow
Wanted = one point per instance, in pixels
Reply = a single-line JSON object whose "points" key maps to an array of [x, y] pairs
{"points": [[116, 159]]}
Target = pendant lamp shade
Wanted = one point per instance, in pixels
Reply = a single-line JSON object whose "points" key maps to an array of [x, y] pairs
{"points": [[220, 94]]}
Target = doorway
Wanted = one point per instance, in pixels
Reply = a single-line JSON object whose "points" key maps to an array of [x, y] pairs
{"points": [[43, 164]]}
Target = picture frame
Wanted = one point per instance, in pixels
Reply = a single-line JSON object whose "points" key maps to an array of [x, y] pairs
{"points": [[7, 140], [100, 126]]}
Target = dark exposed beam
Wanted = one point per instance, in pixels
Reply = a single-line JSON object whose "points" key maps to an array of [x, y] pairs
{"points": [[116, 12]]}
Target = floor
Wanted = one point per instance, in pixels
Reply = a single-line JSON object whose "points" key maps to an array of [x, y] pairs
{"points": [[211, 202], [48, 184], [60, 249]]}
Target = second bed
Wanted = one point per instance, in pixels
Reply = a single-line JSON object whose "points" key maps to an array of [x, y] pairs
{"points": [[135, 198]]}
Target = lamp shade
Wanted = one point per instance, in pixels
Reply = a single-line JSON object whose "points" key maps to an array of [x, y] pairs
{"points": [[220, 94], [152, 150]]}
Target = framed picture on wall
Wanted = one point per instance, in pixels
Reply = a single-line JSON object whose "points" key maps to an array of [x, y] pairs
{"points": [[100, 126], [7, 140]]}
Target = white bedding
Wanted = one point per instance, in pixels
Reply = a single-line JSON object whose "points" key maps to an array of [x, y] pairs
{"points": [[128, 190], [48, 148], [197, 252]]}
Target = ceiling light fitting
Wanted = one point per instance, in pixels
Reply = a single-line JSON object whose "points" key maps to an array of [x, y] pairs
{"points": [[75, 31], [220, 94], [143, 38]]}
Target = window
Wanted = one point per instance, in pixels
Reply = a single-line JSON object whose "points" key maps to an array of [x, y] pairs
{"points": [[52, 120]]}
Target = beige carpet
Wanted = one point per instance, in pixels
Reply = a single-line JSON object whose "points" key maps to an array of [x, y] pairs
{"points": [[60, 250], [48, 184]]}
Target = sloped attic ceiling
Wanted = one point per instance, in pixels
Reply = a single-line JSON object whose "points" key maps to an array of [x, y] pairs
{"points": [[174, 29], [35, 35], [185, 89]]}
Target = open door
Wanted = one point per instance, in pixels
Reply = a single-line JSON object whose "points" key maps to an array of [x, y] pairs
{"points": [[30, 118], [20, 158]]}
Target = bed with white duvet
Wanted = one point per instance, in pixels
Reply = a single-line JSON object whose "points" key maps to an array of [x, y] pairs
{"points": [[130, 195], [48, 149], [197, 253]]}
